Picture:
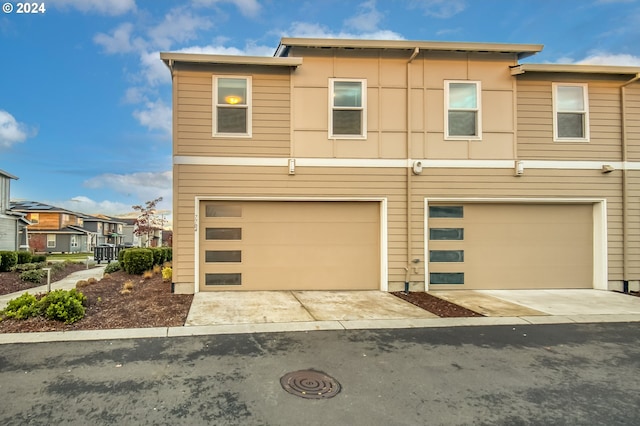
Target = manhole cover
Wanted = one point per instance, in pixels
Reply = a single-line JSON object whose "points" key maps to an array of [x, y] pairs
{"points": [[310, 384]]}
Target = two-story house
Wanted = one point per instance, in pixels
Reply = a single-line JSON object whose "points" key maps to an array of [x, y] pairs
{"points": [[361, 164], [13, 225], [53, 229], [104, 230]]}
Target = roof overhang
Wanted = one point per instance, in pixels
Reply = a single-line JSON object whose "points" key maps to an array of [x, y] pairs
{"points": [[575, 68], [9, 175], [521, 50], [170, 58]]}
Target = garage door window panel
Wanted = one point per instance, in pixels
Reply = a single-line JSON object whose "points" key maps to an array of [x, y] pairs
{"points": [[455, 212], [217, 256], [446, 234], [228, 234], [223, 210], [446, 278], [446, 255], [223, 279]]}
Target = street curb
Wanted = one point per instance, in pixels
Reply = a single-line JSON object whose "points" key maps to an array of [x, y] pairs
{"points": [[307, 326]]}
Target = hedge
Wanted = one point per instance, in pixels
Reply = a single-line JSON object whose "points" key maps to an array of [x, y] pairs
{"points": [[8, 259], [137, 261]]}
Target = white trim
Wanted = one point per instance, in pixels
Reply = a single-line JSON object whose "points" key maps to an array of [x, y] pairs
{"points": [[362, 108], [585, 112], [600, 250], [402, 163], [248, 106], [384, 242], [477, 110]]}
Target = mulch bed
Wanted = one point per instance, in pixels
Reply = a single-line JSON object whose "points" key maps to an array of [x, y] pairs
{"points": [[10, 282], [435, 305], [149, 303]]}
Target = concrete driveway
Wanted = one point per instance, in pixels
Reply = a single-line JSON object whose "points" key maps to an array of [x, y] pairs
{"points": [[369, 309]]}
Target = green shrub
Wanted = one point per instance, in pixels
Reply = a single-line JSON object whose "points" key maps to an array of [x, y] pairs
{"points": [[39, 258], [121, 255], [24, 257], [158, 255], [136, 261], [21, 307], [21, 267], [168, 254], [63, 305], [8, 259], [112, 267], [33, 276]]}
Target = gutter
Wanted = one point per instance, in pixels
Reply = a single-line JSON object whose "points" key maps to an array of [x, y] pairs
{"points": [[409, 266], [625, 186]]}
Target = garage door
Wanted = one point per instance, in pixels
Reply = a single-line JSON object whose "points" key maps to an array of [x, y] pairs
{"points": [[289, 245], [510, 246]]}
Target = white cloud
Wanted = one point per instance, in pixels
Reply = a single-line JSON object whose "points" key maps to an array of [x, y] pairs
{"points": [[442, 9], [155, 116], [367, 19], [249, 8], [142, 185], [119, 40], [178, 25], [249, 49], [86, 205], [103, 7], [601, 58], [306, 29], [155, 72], [12, 131]]}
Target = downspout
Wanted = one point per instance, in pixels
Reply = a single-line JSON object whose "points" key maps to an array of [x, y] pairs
{"points": [[407, 276], [625, 189]]}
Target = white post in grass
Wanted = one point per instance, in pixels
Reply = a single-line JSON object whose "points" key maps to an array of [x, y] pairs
{"points": [[48, 278]]}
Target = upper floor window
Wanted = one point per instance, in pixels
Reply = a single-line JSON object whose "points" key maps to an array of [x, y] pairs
{"points": [[570, 112], [34, 217], [232, 106], [463, 118], [347, 104]]}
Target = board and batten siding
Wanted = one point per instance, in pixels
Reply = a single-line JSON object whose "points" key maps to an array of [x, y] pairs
{"points": [[193, 109], [8, 231], [535, 121], [245, 182]]}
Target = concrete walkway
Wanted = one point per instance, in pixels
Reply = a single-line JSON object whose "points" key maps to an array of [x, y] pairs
{"points": [[280, 311], [66, 283]]}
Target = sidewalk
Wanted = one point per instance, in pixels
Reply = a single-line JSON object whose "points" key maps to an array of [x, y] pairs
{"points": [[242, 312], [67, 283]]}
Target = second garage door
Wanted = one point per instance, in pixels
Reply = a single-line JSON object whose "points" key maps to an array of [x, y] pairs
{"points": [[510, 246], [289, 245]]}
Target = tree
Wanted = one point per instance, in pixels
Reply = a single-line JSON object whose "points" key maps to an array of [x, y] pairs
{"points": [[147, 222]]}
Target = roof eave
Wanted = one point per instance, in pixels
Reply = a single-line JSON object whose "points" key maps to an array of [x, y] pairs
{"points": [[196, 58], [521, 50], [575, 68]]}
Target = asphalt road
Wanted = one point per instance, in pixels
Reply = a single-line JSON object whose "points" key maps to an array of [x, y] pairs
{"points": [[582, 374]]}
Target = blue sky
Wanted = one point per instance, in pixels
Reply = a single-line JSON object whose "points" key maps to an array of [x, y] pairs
{"points": [[85, 102]]}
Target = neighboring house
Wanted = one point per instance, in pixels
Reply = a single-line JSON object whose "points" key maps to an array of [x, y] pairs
{"points": [[53, 229], [13, 226], [104, 230], [128, 231], [360, 164]]}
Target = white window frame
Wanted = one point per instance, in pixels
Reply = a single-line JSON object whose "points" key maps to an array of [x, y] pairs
{"points": [[51, 240], [74, 241], [248, 107], [34, 218], [585, 112], [362, 108], [477, 110]]}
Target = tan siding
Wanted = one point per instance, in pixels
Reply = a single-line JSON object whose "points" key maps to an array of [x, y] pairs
{"points": [[633, 121], [205, 181], [535, 121], [271, 115]]}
